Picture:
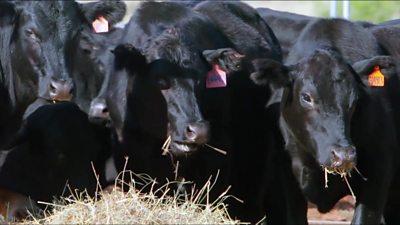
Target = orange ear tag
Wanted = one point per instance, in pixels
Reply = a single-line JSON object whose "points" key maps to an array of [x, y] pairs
{"points": [[376, 78], [216, 78], [100, 25]]}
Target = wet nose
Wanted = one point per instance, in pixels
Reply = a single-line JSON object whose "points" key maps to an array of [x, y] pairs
{"points": [[197, 132], [61, 89], [98, 110], [343, 158]]}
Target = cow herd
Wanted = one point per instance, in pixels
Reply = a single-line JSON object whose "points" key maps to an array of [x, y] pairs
{"points": [[283, 108]]}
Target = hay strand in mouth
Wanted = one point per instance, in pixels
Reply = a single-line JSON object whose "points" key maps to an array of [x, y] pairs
{"points": [[326, 177], [217, 149], [342, 174], [351, 190], [362, 176], [166, 145]]}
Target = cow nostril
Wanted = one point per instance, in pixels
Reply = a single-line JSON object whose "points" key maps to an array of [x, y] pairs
{"points": [[197, 132], [191, 133], [335, 157], [189, 129], [52, 88], [105, 110], [343, 158]]}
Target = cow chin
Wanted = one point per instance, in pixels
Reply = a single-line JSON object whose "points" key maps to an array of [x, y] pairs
{"points": [[61, 99], [56, 99], [341, 168], [183, 149], [338, 170]]}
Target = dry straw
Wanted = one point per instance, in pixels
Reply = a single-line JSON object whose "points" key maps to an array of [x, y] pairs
{"points": [[134, 206]]}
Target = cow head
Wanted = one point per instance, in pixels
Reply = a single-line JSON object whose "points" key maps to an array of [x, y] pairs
{"points": [[319, 98], [39, 39], [181, 68], [41, 36], [172, 91], [93, 55], [96, 51]]}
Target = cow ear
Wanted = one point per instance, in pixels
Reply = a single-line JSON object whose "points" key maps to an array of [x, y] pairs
{"points": [[8, 13], [112, 11], [385, 64], [130, 58], [227, 59], [268, 71]]}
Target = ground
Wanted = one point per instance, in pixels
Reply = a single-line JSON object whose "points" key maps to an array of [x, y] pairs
{"points": [[341, 214]]}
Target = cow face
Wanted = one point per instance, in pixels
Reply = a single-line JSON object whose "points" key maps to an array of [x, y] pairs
{"points": [[177, 68], [320, 95], [317, 105], [164, 85], [187, 128], [91, 62], [40, 39], [41, 42], [93, 56]]}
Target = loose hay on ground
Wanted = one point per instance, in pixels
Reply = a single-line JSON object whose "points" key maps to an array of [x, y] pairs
{"points": [[135, 207]]}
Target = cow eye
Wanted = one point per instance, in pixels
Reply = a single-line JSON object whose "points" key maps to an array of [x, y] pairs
{"points": [[306, 98], [186, 63], [31, 34]]}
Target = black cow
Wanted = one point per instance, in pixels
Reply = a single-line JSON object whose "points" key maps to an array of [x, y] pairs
{"points": [[38, 40], [259, 169], [163, 31], [56, 147], [329, 116], [387, 36], [148, 105]]}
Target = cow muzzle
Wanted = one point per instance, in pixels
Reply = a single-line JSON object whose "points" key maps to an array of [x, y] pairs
{"points": [[98, 112], [195, 134], [342, 159], [61, 90]]}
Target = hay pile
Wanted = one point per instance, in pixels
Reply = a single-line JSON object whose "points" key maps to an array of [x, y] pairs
{"points": [[136, 207]]}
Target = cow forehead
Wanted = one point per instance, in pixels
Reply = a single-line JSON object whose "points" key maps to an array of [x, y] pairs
{"points": [[325, 67], [326, 76], [50, 16]]}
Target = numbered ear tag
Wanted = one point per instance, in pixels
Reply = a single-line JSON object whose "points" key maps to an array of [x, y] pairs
{"points": [[216, 78], [376, 78], [100, 25]]}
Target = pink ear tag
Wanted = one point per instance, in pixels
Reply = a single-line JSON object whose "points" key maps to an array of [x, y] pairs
{"points": [[100, 25], [216, 78]]}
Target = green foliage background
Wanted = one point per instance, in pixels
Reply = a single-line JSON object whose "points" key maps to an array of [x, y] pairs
{"points": [[372, 11]]}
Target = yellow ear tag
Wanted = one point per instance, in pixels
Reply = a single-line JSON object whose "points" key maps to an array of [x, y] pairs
{"points": [[376, 78], [100, 25]]}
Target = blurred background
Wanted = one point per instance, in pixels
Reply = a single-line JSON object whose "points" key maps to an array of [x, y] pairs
{"points": [[372, 11]]}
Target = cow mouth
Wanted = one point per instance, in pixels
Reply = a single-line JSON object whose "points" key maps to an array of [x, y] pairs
{"points": [[56, 100], [100, 121], [340, 168], [336, 171], [182, 148]]}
